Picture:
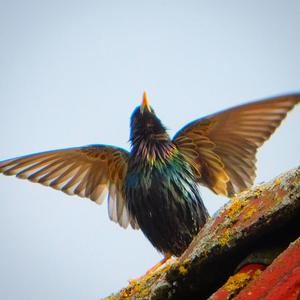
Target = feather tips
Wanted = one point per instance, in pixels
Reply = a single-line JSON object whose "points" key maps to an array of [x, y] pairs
{"points": [[88, 172], [226, 142]]}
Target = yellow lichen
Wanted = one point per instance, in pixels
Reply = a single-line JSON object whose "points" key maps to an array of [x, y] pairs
{"points": [[258, 191], [237, 282], [225, 238], [256, 274], [235, 207], [250, 213], [277, 181], [140, 288], [183, 270]]}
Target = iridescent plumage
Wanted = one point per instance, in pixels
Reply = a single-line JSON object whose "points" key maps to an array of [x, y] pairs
{"points": [[160, 187], [155, 186]]}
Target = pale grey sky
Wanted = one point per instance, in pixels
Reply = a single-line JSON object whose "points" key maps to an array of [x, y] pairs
{"points": [[71, 73]]}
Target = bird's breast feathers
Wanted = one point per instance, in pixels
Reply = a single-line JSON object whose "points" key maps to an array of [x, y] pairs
{"points": [[159, 167]]}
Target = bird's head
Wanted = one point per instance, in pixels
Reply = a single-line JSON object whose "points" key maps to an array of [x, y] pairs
{"points": [[145, 124]]}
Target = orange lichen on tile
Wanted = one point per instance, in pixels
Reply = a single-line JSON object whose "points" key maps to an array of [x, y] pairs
{"points": [[277, 181], [138, 289], [183, 270], [258, 191], [224, 239], [235, 206], [232, 212], [238, 281], [229, 211], [249, 213], [280, 280]]}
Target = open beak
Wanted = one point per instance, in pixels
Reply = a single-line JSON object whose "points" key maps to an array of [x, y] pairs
{"points": [[145, 103]]}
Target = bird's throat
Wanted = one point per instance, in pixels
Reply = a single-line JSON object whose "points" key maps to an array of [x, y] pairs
{"points": [[155, 152]]}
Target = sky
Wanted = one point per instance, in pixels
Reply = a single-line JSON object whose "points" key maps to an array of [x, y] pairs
{"points": [[71, 73]]}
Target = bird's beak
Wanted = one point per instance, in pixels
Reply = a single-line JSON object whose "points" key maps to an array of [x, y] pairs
{"points": [[145, 103]]}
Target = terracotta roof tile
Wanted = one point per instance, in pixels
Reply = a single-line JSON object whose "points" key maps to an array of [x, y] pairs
{"points": [[255, 225]]}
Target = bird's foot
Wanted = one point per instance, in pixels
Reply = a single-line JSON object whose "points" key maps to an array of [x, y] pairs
{"points": [[153, 270]]}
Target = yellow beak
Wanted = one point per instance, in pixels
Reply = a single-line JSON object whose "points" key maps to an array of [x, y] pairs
{"points": [[145, 103]]}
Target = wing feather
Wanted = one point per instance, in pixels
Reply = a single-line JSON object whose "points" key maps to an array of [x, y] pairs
{"points": [[222, 147], [96, 172]]}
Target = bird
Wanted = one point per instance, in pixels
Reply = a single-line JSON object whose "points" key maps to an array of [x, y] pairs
{"points": [[155, 186]]}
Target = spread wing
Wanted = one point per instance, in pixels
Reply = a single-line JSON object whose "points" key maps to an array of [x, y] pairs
{"points": [[95, 172], [222, 147]]}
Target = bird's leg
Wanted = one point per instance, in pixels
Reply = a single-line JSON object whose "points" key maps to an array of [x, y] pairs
{"points": [[152, 270], [159, 264]]}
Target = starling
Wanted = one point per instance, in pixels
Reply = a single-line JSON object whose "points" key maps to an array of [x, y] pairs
{"points": [[154, 187]]}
